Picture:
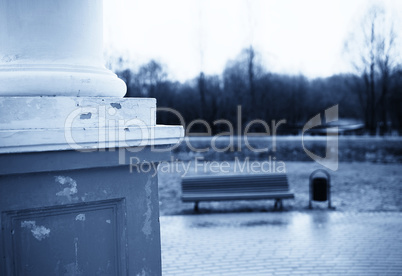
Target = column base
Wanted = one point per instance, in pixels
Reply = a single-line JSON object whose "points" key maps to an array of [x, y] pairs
{"points": [[59, 80]]}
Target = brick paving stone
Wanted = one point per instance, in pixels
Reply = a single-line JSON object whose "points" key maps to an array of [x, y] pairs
{"points": [[283, 243]]}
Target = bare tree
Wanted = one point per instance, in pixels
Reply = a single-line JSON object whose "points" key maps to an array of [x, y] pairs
{"points": [[386, 63], [251, 75], [372, 50], [201, 88], [150, 76]]}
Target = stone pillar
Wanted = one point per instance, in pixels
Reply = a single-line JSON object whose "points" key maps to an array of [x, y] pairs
{"points": [[78, 184], [54, 48]]}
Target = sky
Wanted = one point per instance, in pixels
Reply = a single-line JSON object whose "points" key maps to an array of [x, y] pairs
{"points": [[188, 36]]}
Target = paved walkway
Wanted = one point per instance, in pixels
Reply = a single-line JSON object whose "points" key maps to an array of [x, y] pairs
{"points": [[283, 243]]}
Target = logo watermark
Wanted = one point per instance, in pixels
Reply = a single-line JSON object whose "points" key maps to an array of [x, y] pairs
{"points": [[330, 161], [102, 128], [200, 165]]}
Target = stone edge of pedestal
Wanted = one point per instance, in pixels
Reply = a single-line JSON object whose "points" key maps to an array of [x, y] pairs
{"points": [[34, 162], [18, 113], [16, 141]]}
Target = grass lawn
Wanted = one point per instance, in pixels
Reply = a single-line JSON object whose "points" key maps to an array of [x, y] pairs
{"points": [[356, 186]]}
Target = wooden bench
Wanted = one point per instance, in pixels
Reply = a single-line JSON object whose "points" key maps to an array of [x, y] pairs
{"points": [[235, 187]]}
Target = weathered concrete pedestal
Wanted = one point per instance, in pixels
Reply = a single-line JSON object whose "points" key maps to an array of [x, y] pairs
{"points": [[85, 211], [70, 202]]}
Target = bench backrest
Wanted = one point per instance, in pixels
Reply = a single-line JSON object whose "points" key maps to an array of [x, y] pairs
{"points": [[235, 183]]}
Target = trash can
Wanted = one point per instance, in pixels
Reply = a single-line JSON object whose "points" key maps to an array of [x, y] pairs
{"points": [[320, 187]]}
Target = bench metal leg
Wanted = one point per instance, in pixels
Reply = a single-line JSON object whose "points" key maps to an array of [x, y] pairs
{"points": [[278, 204], [196, 206]]}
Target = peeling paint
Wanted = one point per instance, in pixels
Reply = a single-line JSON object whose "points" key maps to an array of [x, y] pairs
{"points": [[116, 105], [57, 268], [86, 116], [80, 217], [68, 191], [72, 269], [143, 273], [147, 229], [39, 232], [76, 252], [28, 224], [9, 58]]}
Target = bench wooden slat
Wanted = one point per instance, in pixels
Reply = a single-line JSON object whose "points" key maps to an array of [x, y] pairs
{"points": [[223, 196], [235, 188], [233, 178], [215, 181], [235, 191], [235, 185], [230, 183]]}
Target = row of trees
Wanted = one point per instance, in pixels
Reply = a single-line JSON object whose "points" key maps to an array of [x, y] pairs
{"points": [[265, 95], [372, 95]]}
